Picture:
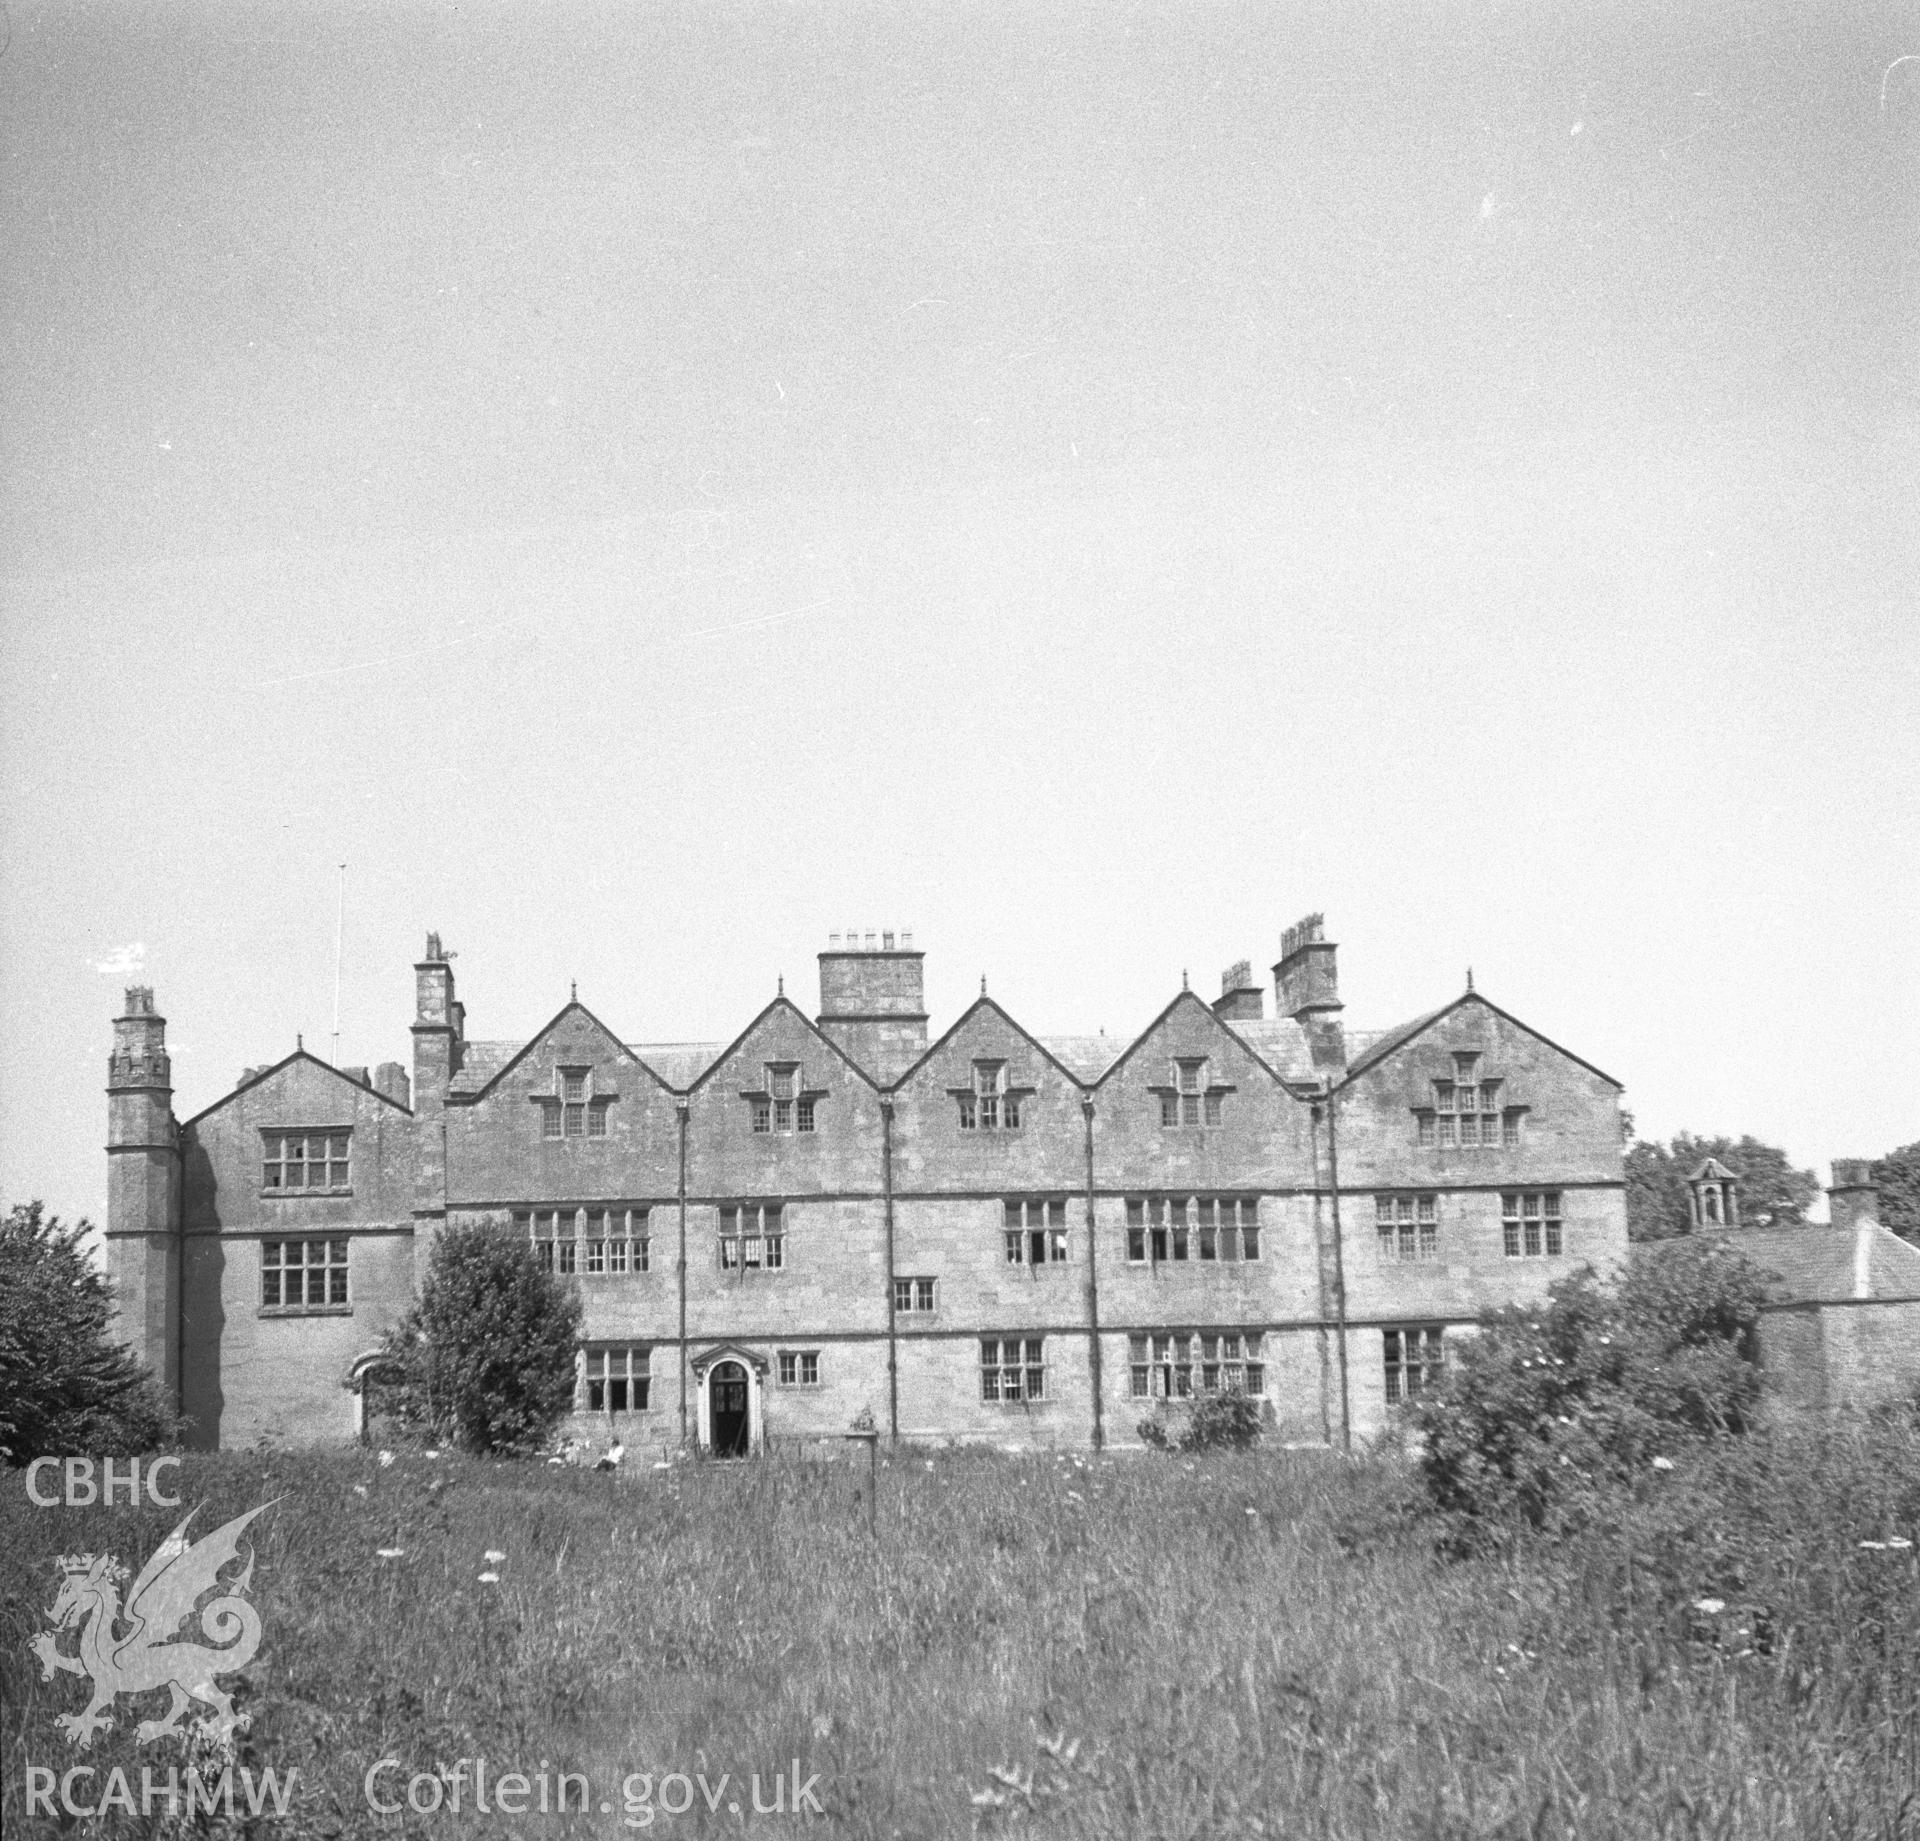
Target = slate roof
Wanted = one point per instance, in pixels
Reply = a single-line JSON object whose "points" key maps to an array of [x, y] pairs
{"points": [[1828, 1265], [679, 1064], [1366, 1046], [480, 1062], [1086, 1058], [1280, 1042]]}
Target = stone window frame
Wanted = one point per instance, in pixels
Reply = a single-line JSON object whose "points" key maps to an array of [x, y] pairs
{"points": [[274, 1162], [916, 1295], [1532, 1225], [1018, 1363], [565, 1243], [576, 1109], [1491, 1122], [634, 1381], [1034, 1231], [1157, 1236], [998, 1106], [1165, 1364], [334, 1267], [753, 1238], [783, 1105], [1413, 1360], [797, 1367], [1406, 1225], [1191, 1099]]}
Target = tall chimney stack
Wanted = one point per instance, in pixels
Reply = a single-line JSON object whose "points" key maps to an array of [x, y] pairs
{"points": [[439, 1026], [1241, 998], [873, 1003], [1307, 988], [1853, 1197]]}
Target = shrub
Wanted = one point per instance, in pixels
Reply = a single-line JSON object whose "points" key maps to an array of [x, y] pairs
{"points": [[1549, 1409], [65, 1384], [485, 1357], [1228, 1421]]}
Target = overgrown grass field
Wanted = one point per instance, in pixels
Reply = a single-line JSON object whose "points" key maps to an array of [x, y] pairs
{"points": [[1262, 1644]]}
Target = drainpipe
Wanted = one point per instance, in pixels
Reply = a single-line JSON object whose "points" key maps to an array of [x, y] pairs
{"points": [[681, 1270], [893, 1346], [1093, 1287], [1339, 1273]]}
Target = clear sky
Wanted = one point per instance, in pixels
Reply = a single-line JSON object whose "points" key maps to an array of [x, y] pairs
{"points": [[644, 485]]}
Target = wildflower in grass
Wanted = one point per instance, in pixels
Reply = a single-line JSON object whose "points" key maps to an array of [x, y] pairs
{"points": [[1898, 1543], [489, 1578], [493, 1556], [1711, 1606], [1874, 1546], [386, 1458], [433, 1454], [389, 1553], [359, 1489], [1663, 1463]]}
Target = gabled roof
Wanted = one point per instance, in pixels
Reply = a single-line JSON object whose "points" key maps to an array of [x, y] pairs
{"points": [[1280, 1042], [1713, 1171], [1206, 1010], [784, 1002], [1085, 1058], [466, 1095], [678, 1064], [1391, 1041], [984, 1002], [266, 1074], [1831, 1265]]}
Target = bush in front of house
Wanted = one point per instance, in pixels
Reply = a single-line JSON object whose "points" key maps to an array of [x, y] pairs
{"points": [[1217, 1422], [1550, 1409], [485, 1356]]}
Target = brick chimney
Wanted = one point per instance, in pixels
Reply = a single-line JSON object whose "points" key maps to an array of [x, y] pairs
{"points": [[872, 1001], [1307, 988], [1853, 1197], [1241, 997]]}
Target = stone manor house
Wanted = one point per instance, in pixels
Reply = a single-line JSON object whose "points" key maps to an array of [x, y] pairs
{"points": [[995, 1236]]}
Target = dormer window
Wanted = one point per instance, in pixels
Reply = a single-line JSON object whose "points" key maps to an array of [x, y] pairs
{"points": [[1194, 1097], [990, 1106], [991, 1101], [1469, 1112], [784, 1104], [574, 1109]]}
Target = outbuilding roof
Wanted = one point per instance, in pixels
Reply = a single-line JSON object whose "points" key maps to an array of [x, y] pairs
{"points": [[1831, 1265]]}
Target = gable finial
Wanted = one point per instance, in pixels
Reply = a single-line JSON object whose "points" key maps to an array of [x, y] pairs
{"points": [[983, 984], [1183, 980], [573, 990], [1469, 978], [780, 984], [299, 1044]]}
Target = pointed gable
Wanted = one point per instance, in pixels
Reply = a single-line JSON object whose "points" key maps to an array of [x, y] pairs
{"points": [[303, 1080], [784, 1112], [1185, 1031], [575, 1038], [1387, 1043], [781, 1032]]}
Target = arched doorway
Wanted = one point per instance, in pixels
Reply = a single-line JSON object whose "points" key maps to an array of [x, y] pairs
{"points": [[729, 1410]]}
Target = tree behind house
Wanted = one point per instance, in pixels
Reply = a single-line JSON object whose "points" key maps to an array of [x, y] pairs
{"points": [[1898, 1175], [1772, 1192], [485, 1358], [66, 1386]]}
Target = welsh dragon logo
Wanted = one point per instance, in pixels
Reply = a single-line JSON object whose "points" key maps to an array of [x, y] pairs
{"points": [[170, 1586]]}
